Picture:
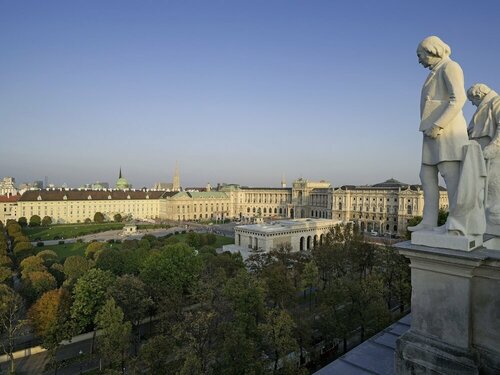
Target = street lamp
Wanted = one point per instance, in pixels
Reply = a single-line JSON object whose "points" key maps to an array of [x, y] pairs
{"points": [[80, 354]]}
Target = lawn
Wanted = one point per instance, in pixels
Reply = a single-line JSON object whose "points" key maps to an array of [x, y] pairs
{"points": [[78, 248], [66, 250], [221, 240], [59, 231]]}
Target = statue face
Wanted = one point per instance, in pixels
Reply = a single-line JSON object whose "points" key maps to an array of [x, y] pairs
{"points": [[476, 99], [426, 59]]}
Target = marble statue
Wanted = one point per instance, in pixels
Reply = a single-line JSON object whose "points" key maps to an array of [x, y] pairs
{"points": [[443, 126], [485, 129]]}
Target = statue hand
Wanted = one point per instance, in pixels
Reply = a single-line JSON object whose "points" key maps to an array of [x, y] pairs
{"points": [[490, 151], [433, 132]]}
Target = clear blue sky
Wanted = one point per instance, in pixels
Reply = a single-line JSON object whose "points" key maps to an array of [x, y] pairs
{"points": [[236, 91]]}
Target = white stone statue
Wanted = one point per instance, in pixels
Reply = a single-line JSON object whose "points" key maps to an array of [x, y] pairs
{"points": [[443, 125], [485, 129]]}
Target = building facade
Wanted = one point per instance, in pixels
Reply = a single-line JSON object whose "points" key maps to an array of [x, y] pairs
{"points": [[300, 234], [384, 208], [76, 206], [8, 186]]}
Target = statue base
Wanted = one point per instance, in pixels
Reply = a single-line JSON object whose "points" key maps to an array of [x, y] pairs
{"points": [[432, 238], [417, 354], [455, 327], [493, 229]]}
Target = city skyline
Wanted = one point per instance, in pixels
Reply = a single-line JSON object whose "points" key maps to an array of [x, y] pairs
{"points": [[237, 92]]}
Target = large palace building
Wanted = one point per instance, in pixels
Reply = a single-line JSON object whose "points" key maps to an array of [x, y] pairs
{"points": [[384, 207]]}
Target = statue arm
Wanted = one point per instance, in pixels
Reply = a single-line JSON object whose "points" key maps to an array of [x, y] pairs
{"points": [[454, 80], [493, 148]]}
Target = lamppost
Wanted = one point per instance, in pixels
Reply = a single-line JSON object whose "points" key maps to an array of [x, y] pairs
{"points": [[80, 354]]}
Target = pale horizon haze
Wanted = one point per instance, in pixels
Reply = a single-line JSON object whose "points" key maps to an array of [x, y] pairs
{"points": [[235, 91]]}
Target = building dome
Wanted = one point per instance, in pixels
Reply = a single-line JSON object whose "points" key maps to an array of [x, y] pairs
{"points": [[122, 182]]}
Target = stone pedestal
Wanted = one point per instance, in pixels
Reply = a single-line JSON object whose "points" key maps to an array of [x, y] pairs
{"points": [[431, 238], [455, 326]]}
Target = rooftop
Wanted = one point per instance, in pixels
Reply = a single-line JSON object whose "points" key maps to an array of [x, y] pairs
{"points": [[285, 225], [374, 356], [83, 194]]}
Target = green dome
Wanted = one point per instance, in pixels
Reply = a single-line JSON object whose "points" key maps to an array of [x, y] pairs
{"points": [[122, 182]]}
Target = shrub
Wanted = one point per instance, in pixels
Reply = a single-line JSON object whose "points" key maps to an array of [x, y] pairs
{"points": [[40, 244], [35, 221], [47, 220], [23, 250], [98, 217], [93, 248], [87, 221]]}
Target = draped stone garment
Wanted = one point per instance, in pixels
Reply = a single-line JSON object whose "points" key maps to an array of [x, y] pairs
{"points": [[442, 100], [468, 215]]}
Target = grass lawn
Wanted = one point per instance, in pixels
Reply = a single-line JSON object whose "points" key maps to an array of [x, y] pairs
{"points": [[68, 230], [221, 240], [78, 248], [66, 250]]}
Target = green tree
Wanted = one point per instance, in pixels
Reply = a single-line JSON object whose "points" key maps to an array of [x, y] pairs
{"points": [[155, 355], [35, 283], [394, 270], [48, 257], [93, 248], [89, 296], [23, 250], [47, 220], [35, 221], [117, 218], [310, 278], [57, 270], [193, 240], [176, 268], [98, 217], [76, 266], [50, 317], [11, 314], [6, 275], [31, 264], [5, 261], [22, 221], [131, 296], [111, 259], [210, 238], [278, 336], [246, 300], [196, 333], [280, 288], [114, 341]]}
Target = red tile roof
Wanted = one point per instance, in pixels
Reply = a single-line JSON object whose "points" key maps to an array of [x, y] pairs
{"points": [[9, 198], [80, 195]]}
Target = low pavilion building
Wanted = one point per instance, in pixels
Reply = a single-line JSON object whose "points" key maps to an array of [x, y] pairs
{"points": [[300, 234]]}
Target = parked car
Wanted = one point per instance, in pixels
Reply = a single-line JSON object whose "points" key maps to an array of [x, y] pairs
{"points": [[373, 233]]}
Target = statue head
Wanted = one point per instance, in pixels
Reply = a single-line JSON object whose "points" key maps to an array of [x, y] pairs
{"points": [[477, 92], [431, 51]]}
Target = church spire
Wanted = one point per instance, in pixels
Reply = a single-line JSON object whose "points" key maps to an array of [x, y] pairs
{"points": [[283, 181], [176, 183]]}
